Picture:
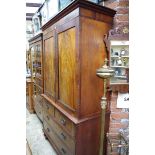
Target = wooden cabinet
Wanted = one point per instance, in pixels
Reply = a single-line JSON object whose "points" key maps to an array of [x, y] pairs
{"points": [[29, 81], [37, 72], [73, 49], [29, 94]]}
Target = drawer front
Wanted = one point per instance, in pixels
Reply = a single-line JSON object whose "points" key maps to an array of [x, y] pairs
{"points": [[27, 99], [48, 118], [62, 149], [48, 108], [39, 111], [65, 122], [65, 138], [26, 90], [38, 99]]}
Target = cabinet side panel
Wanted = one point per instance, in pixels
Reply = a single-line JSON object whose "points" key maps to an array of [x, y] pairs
{"points": [[49, 67], [67, 56], [92, 56], [87, 137]]}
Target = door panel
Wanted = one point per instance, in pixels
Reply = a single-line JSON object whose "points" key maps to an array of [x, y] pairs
{"points": [[67, 61], [49, 62]]}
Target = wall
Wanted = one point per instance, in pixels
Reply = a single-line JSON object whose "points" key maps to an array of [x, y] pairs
{"points": [[119, 121], [121, 19], [119, 118]]}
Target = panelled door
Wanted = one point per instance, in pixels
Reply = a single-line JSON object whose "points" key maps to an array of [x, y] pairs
{"points": [[68, 64], [49, 65]]}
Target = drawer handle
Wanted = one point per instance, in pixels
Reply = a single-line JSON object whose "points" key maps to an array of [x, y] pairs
{"points": [[47, 117], [63, 136], [63, 150], [63, 121], [48, 129]]}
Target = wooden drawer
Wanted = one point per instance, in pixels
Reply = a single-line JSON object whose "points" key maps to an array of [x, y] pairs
{"points": [[61, 148], [27, 99], [48, 118], [26, 90], [38, 99], [39, 111], [48, 108], [65, 122], [65, 138]]}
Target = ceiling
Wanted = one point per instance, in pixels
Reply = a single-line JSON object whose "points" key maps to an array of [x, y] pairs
{"points": [[31, 7]]}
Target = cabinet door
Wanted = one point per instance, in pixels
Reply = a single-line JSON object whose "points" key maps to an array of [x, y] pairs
{"points": [[38, 61], [33, 61], [67, 77], [49, 65]]}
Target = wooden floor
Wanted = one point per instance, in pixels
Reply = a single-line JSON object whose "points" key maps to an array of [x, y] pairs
{"points": [[28, 151]]}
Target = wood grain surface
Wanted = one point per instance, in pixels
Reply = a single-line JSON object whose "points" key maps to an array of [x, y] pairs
{"points": [[67, 55], [49, 66], [92, 58], [73, 50]]}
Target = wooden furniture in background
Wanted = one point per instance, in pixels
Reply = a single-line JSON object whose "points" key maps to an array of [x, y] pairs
{"points": [[73, 49], [28, 63], [114, 54], [29, 82], [37, 72], [119, 61], [29, 93]]}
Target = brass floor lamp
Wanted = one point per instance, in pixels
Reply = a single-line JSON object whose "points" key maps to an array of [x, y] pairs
{"points": [[105, 72]]}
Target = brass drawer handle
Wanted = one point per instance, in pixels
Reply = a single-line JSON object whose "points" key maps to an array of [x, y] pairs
{"points": [[47, 117], [63, 151], [48, 129], [63, 136], [63, 121]]}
